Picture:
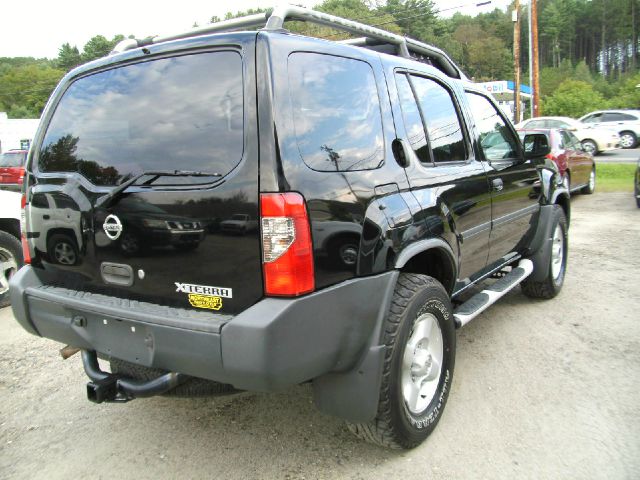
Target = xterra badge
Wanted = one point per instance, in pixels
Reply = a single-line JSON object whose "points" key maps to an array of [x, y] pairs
{"points": [[204, 290]]}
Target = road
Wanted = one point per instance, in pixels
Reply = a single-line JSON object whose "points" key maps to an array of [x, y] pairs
{"points": [[542, 389], [619, 156]]}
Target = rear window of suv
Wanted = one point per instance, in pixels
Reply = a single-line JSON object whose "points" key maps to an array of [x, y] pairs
{"points": [[336, 111], [173, 113], [12, 159]]}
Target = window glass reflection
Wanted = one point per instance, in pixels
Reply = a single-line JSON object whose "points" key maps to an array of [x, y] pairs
{"points": [[496, 140], [336, 111], [443, 124], [174, 113], [412, 120]]}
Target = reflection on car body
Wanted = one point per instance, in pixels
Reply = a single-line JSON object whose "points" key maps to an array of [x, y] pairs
{"points": [[147, 226], [239, 223]]}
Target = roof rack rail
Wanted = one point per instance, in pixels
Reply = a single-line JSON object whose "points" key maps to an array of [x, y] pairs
{"points": [[273, 20]]}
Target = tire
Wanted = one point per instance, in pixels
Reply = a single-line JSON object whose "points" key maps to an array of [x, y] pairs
{"points": [[193, 387], [10, 262], [405, 417], [628, 139], [566, 181], [590, 146], [62, 250], [556, 267], [591, 186]]}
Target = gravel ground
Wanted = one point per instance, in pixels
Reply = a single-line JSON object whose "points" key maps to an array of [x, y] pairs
{"points": [[542, 389]]}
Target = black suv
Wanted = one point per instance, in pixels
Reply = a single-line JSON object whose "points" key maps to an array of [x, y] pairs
{"points": [[384, 186]]}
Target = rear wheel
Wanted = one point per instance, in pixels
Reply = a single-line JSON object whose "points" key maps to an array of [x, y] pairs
{"points": [[591, 186], [10, 263], [628, 139], [556, 266], [418, 367], [62, 249]]}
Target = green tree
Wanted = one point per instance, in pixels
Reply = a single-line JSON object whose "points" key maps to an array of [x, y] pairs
{"points": [[573, 98], [68, 57], [99, 47], [26, 89]]}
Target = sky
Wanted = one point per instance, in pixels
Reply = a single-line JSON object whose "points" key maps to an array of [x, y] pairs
{"points": [[37, 28]]}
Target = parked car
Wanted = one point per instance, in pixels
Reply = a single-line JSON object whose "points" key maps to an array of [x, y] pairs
{"points": [[625, 122], [636, 185], [577, 166], [593, 139], [12, 169], [415, 174], [10, 248], [239, 223]]}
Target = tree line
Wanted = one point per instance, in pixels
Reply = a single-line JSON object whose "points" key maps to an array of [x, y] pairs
{"points": [[588, 50]]}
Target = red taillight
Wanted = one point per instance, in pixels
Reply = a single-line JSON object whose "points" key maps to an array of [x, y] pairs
{"points": [[23, 230], [21, 177], [287, 250]]}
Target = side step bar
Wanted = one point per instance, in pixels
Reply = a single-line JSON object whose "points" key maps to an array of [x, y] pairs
{"points": [[483, 300]]}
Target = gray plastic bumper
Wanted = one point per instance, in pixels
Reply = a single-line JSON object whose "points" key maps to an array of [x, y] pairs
{"points": [[331, 335]]}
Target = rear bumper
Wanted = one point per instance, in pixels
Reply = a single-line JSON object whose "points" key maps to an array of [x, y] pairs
{"points": [[271, 345]]}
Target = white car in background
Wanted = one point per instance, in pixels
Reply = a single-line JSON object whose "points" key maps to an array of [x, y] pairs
{"points": [[625, 122], [594, 139], [10, 247]]}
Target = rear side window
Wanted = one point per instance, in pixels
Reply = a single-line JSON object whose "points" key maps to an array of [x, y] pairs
{"points": [[496, 140], [336, 111], [173, 113], [10, 159], [618, 117]]}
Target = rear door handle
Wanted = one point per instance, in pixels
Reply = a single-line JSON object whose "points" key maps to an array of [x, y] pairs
{"points": [[497, 184]]}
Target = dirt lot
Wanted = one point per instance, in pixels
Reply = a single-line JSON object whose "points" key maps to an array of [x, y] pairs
{"points": [[541, 390]]}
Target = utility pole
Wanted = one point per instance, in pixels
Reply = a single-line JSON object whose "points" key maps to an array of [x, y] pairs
{"points": [[515, 15], [530, 64], [534, 59]]}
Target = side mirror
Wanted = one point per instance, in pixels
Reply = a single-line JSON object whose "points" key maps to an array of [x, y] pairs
{"points": [[536, 145]]}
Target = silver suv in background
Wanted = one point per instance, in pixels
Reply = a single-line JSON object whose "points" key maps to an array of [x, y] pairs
{"points": [[626, 122]]}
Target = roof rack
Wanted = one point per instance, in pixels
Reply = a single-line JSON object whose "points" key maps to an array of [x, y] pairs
{"points": [[273, 20]]}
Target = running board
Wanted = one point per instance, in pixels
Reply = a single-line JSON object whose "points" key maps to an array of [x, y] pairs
{"points": [[483, 300]]}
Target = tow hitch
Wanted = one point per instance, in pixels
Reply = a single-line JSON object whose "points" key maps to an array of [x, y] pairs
{"points": [[109, 387]]}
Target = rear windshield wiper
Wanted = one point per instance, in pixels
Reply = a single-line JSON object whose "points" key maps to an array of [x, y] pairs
{"points": [[108, 199]]}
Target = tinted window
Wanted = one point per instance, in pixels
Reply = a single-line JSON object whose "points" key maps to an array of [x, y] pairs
{"points": [[336, 112], [618, 117], [183, 112], [441, 117], [9, 159], [496, 140], [412, 119]]}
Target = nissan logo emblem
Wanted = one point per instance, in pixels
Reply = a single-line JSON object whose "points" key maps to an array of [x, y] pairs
{"points": [[112, 227]]}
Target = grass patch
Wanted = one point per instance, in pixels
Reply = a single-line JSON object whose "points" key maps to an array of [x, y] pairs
{"points": [[615, 177]]}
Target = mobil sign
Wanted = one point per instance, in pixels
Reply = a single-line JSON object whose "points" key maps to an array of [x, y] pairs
{"points": [[496, 87]]}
